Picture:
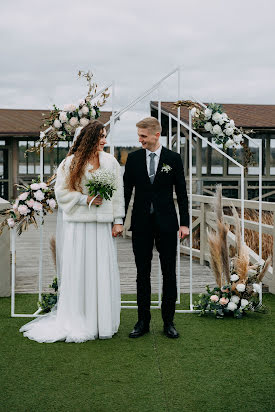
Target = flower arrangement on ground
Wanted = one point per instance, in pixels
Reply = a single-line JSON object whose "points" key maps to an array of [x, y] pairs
{"points": [[215, 121], [61, 124], [103, 183], [35, 198], [238, 282]]}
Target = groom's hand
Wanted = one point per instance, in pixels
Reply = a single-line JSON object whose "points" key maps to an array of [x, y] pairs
{"points": [[117, 230], [183, 232]]}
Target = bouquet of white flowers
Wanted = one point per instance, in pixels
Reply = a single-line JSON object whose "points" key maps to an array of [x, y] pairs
{"points": [[103, 183]]}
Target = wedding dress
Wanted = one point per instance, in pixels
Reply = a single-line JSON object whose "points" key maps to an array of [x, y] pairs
{"points": [[89, 299]]}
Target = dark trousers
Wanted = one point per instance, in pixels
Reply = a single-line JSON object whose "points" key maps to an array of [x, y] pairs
{"points": [[166, 244]]}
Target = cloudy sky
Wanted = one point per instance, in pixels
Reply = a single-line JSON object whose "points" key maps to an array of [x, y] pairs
{"points": [[225, 48]]}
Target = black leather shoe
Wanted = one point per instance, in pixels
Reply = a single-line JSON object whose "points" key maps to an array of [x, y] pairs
{"points": [[170, 331], [140, 329]]}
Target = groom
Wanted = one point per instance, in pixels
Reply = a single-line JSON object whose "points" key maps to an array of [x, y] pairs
{"points": [[154, 171]]}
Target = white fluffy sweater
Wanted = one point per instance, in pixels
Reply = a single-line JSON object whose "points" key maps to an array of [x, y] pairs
{"points": [[69, 201]]}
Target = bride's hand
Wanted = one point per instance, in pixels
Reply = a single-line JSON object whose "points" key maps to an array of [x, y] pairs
{"points": [[97, 201], [117, 230]]}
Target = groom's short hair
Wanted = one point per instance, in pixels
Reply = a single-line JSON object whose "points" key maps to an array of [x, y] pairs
{"points": [[150, 123]]}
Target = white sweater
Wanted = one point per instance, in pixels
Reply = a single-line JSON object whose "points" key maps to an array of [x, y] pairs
{"points": [[71, 202]]}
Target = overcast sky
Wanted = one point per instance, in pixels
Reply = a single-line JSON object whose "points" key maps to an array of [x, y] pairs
{"points": [[225, 47]]}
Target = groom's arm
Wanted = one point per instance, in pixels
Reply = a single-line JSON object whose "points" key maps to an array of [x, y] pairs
{"points": [[180, 188], [128, 183]]}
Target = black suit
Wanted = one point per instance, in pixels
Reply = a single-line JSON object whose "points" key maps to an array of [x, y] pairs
{"points": [[161, 226]]}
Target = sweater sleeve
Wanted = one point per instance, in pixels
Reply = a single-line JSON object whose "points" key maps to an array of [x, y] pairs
{"points": [[118, 198], [66, 198]]}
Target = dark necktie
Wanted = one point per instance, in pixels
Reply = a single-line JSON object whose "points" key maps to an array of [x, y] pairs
{"points": [[152, 174], [152, 167]]}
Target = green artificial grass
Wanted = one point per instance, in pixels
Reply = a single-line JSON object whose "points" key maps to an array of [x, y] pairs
{"points": [[215, 365]]}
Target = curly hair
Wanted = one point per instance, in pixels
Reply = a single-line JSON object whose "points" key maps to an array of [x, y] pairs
{"points": [[83, 149]]}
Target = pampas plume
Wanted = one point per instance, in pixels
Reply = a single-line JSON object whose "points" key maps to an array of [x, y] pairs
{"points": [[53, 249], [265, 268], [222, 231], [237, 230], [215, 256], [242, 263]]}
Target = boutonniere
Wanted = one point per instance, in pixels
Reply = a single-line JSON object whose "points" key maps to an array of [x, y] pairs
{"points": [[166, 168]]}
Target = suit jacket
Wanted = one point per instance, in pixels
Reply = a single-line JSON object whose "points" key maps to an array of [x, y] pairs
{"points": [[160, 193]]}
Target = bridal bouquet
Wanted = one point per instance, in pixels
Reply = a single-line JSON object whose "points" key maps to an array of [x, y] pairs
{"points": [[238, 282], [103, 183]]}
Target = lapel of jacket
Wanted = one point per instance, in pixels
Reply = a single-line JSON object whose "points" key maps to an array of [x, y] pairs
{"points": [[144, 166]]}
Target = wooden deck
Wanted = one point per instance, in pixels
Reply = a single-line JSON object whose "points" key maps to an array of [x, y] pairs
{"points": [[27, 264]]}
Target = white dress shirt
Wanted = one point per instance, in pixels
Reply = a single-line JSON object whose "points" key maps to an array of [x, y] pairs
{"points": [[156, 159]]}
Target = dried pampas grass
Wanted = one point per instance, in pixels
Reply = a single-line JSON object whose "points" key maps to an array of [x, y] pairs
{"points": [[53, 249], [215, 256]]}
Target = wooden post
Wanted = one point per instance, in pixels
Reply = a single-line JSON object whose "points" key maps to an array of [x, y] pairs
{"points": [[199, 165], [202, 233], [267, 156], [208, 157]]}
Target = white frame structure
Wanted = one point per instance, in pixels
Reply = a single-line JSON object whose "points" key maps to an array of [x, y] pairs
{"points": [[116, 115]]}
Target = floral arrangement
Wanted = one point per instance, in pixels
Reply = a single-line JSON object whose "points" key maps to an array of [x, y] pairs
{"points": [[238, 282], [61, 124], [35, 198], [103, 183], [214, 120]]}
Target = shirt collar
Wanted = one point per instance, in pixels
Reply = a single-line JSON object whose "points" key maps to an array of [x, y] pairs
{"points": [[157, 152]]}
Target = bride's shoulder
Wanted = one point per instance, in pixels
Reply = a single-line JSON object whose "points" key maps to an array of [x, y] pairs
{"points": [[66, 162], [109, 157]]}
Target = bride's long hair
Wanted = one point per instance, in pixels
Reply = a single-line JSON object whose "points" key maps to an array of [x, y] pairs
{"points": [[84, 147]]}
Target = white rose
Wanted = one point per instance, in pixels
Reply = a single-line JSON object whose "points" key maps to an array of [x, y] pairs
{"points": [[43, 185], [229, 143], [238, 138], [11, 222], [84, 121], [80, 113], [37, 206], [39, 195], [231, 123], [234, 278], [23, 210], [216, 117], [73, 121], [217, 129], [81, 102], [229, 131], [235, 299], [63, 117], [256, 287], [69, 107], [57, 124], [85, 110], [35, 186], [193, 111], [51, 203], [15, 205], [240, 287], [23, 196], [30, 203], [208, 113], [244, 303], [208, 127], [232, 306]]}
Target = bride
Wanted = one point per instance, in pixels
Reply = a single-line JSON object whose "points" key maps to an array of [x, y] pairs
{"points": [[89, 299]]}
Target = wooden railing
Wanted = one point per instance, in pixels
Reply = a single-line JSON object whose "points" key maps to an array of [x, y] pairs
{"points": [[202, 211], [205, 218]]}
